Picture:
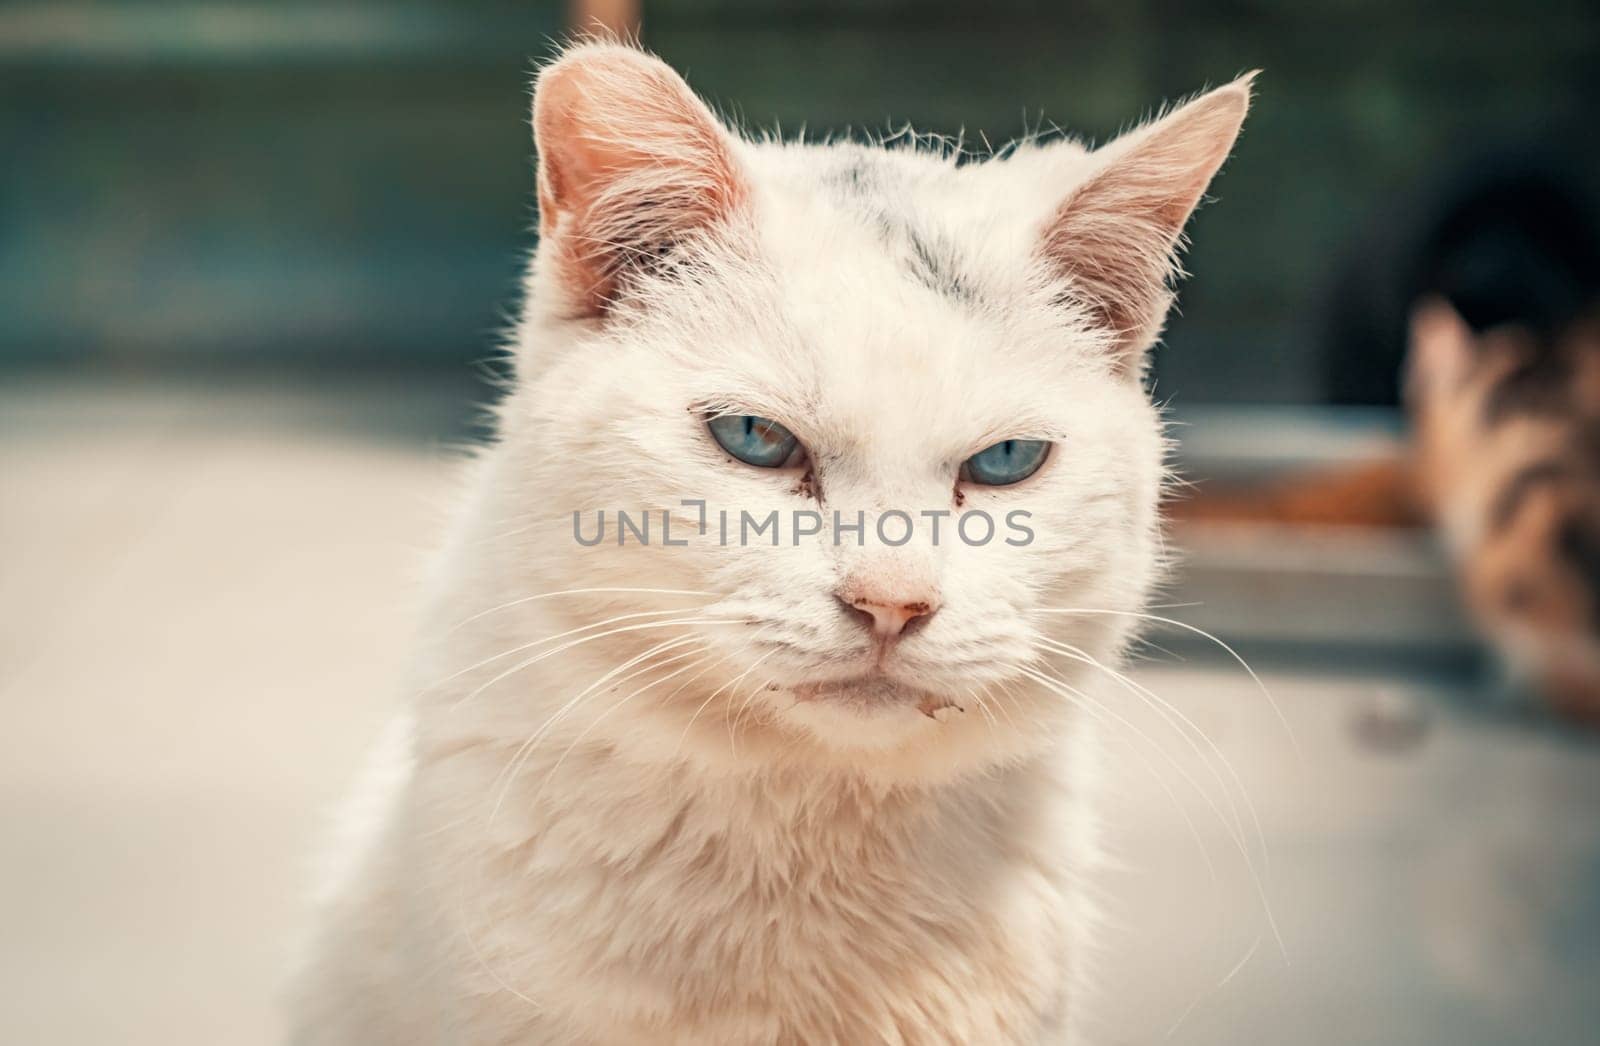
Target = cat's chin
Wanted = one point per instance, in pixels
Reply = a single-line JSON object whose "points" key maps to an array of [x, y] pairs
{"points": [[868, 711]]}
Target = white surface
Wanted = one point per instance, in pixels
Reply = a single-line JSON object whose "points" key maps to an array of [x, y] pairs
{"points": [[202, 615]]}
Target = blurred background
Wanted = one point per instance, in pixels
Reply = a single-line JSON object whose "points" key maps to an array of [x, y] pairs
{"points": [[255, 259]]}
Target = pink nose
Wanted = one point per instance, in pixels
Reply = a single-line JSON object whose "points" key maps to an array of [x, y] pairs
{"points": [[888, 619]]}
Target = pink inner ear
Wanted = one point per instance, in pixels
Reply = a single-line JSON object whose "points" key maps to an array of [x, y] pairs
{"points": [[630, 164], [1116, 237]]}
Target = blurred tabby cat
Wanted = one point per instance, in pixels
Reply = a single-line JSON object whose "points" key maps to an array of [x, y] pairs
{"points": [[1500, 314]]}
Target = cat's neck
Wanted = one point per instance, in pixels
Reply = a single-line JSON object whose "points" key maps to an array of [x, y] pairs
{"points": [[600, 801]]}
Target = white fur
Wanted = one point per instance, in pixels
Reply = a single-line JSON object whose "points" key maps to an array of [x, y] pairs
{"points": [[589, 848]]}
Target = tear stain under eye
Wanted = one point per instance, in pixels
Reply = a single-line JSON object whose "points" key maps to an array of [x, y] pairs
{"points": [[808, 487]]}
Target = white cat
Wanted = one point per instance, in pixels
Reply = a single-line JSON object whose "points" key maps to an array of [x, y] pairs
{"points": [[705, 789]]}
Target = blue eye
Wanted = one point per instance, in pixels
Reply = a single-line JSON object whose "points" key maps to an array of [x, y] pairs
{"points": [[756, 441], [1009, 461]]}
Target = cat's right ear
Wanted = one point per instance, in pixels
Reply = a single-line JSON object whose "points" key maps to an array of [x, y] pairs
{"points": [[631, 164]]}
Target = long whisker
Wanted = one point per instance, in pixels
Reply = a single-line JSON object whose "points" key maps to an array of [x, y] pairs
{"points": [[713, 695], [527, 747], [1097, 712], [529, 645], [528, 662], [1007, 695], [609, 590], [608, 712], [983, 706], [483, 962], [708, 666], [1226, 979], [1184, 727], [1175, 623], [733, 743], [671, 643], [1237, 836]]}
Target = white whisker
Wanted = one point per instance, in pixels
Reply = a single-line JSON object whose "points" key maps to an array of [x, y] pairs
{"points": [[712, 696], [733, 743], [1096, 711], [617, 590], [607, 713], [514, 669], [1229, 976], [529, 645], [1184, 727], [1236, 835], [1140, 615], [527, 746], [983, 706]]}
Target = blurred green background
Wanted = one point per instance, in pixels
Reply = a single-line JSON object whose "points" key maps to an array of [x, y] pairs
{"points": [[348, 184]]}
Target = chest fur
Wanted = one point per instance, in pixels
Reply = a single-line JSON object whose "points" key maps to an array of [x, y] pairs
{"points": [[638, 908]]}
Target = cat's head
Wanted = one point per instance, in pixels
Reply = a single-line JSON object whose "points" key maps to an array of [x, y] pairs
{"points": [[842, 333]]}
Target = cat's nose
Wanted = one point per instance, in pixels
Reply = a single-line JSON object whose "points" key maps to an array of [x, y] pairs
{"points": [[887, 618]]}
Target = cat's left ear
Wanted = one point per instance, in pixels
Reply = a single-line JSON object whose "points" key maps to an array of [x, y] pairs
{"points": [[1116, 237]]}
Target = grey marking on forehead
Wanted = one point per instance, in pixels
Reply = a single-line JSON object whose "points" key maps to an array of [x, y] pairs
{"points": [[873, 188], [937, 265], [855, 178]]}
